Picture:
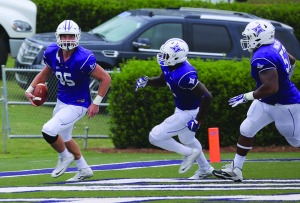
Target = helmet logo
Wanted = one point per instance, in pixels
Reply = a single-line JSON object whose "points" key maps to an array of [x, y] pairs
{"points": [[67, 25], [258, 30], [176, 48]]}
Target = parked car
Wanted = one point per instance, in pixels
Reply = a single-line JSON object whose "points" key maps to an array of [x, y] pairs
{"points": [[17, 21], [211, 34]]}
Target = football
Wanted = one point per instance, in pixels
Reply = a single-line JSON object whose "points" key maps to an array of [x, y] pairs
{"points": [[40, 92]]}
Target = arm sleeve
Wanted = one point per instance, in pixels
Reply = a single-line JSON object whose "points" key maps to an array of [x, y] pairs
{"points": [[46, 59], [189, 80], [262, 64], [89, 65]]}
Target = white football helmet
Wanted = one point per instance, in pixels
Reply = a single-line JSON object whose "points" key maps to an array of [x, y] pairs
{"points": [[257, 33], [68, 27], [173, 51]]}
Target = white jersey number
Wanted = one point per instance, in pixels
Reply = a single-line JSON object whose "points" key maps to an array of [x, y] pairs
{"points": [[64, 78], [285, 60]]}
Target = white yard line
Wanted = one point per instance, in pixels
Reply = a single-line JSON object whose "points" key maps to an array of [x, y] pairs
{"points": [[162, 184], [289, 197]]}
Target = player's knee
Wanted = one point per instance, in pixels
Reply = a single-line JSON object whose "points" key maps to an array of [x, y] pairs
{"points": [[49, 139], [152, 140], [51, 127], [246, 129], [155, 133]]}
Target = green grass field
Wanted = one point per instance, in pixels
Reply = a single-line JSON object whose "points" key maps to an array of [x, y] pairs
{"points": [[29, 154], [268, 176]]}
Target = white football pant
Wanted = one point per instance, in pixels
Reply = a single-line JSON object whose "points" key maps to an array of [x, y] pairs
{"points": [[161, 135], [176, 125], [63, 120], [286, 118]]}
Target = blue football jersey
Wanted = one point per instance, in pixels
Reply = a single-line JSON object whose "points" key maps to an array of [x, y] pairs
{"points": [[181, 81], [73, 75], [270, 57]]}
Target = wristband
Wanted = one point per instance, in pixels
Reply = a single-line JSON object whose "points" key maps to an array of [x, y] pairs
{"points": [[249, 96], [30, 89], [97, 100]]}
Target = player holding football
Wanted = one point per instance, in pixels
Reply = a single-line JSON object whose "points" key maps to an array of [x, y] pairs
{"points": [[192, 101], [73, 66], [276, 98]]}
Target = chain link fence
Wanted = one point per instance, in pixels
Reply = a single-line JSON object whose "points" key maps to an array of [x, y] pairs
{"points": [[22, 120]]}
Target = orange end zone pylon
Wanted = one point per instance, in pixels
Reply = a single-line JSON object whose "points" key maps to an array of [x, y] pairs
{"points": [[214, 144]]}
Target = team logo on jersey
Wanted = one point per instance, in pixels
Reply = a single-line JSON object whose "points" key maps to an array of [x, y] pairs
{"points": [[258, 30], [176, 48], [92, 66], [260, 66], [192, 81]]}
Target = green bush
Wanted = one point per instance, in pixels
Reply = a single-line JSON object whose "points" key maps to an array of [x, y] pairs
{"points": [[135, 113]]}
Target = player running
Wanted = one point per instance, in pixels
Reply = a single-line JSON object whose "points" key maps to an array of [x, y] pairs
{"points": [[276, 98], [73, 66], [192, 101]]}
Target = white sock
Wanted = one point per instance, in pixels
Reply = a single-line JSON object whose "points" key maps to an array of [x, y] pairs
{"points": [[239, 161], [64, 154], [81, 163], [201, 160]]}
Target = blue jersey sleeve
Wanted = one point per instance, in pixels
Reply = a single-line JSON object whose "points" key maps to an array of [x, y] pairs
{"points": [[50, 55], [189, 80], [274, 56], [262, 64], [88, 65]]}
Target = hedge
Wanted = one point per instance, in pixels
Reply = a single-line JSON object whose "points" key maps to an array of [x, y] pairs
{"points": [[135, 113]]}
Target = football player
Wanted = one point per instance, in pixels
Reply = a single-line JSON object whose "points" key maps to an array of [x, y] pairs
{"points": [[73, 67], [192, 101], [276, 98]]}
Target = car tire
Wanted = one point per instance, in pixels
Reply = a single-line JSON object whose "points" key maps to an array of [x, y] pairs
{"points": [[4, 50]]}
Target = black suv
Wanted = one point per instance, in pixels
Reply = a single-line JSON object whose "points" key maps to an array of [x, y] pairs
{"points": [[210, 34]]}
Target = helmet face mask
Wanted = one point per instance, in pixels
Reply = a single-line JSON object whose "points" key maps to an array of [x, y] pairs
{"points": [[172, 52], [67, 27], [257, 33]]}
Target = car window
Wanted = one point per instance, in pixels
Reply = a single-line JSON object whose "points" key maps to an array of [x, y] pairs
{"points": [[119, 27], [210, 38], [287, 42], [160, 33]]}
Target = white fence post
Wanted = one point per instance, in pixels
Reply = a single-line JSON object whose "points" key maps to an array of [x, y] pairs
{"points": [[5, 121]]}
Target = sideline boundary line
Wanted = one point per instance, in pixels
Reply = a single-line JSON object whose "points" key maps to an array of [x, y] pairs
{"points": [[123, 166]]}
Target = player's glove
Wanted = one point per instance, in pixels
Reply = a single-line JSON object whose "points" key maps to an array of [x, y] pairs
{"points": [[291, 71], [193, 125], [141, 82], [240, 99]]}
